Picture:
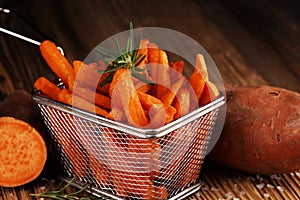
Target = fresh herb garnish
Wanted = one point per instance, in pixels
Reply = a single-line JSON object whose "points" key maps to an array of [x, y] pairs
{"points": [[128, 59], [62, 195]]}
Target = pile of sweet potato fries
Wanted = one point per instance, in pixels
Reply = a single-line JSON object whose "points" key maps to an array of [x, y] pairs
{"points": [[167, 96]]}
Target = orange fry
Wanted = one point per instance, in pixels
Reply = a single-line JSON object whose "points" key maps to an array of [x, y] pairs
{"points": [[153, 58], [169, 96], [200, 65], [66, 97], [47, 87], [92, 96], [88, 75], [163, 76], [210, 93], [199, 76], [77, 65], [144, 51], [149, 101], [122, 91], [176, 69], [117, 114], [142, 87], [58, 63], [182, 102]]}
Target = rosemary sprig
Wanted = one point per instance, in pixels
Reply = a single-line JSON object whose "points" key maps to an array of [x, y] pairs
{"points": [[61, 195], [128, 59]]}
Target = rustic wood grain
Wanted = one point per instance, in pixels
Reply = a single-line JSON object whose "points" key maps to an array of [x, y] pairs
{"points": [[252, 43]]}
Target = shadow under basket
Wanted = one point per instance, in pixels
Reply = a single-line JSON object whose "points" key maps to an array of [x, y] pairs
{"points": [[125, 162]]}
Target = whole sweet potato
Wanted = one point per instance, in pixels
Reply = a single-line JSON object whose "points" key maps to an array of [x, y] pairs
{"points": [[261, 134]]}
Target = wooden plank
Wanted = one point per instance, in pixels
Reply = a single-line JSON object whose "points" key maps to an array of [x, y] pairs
{"points": [[258, 37]]}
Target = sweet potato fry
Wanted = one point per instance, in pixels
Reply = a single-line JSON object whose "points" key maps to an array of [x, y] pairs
{"points": [[58, 63], [117, 114], [77, 65], [153, 58], [74, 152], [92, 96], [210, 93], [170, 94], [88, 75], [199, 76], [176, 69], [200, 65], [127, 97], [143, 49], [142, 87], [47, 87], [129, 178], [100, 171], [163, 75], [166, 112], [146, 153], [176, 148], [182, 102], [66, 97], [160, 192]]}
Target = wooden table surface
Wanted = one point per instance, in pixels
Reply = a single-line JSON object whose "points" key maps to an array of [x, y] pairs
{"points": [[252, 43]]}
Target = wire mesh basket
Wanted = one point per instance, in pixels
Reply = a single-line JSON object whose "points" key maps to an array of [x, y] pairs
{"points": [[124, 162]]}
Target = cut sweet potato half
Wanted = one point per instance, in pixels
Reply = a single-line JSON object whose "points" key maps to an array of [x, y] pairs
{"points": [[23, 152]]}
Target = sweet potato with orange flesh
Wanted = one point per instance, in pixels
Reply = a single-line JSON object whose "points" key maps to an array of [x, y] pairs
{"points": [[122, 91], [142, 87], [77, 65], [23, 152], [130, 178], [182, 102], [20, 106], [162, 75], [210, 93], [65, 96], [92, 96], [160, 192], [58, 63], [148, 102], [153, 58], [143, 50], [50, 89], [73, 100], [199, 76], [176, 69], [261, 132], [89, 76], [100, 171], [117, 114], [170, 94], [146, 153], [70, 146]]}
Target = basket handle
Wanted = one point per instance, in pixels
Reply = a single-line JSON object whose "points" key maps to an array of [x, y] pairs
{"points": [[27, 22]]}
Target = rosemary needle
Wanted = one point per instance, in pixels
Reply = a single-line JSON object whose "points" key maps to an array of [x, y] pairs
{"points": [[128, 59], [61, 195]]}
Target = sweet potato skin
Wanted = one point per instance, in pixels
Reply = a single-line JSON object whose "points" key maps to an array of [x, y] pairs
{"points": [[261, 134], [19, 104]]}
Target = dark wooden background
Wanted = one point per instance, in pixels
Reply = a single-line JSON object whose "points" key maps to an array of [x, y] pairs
{"points": [[252, 43]]}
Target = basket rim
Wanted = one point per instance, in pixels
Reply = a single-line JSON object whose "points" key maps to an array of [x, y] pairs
{"points": [[135, 131]]}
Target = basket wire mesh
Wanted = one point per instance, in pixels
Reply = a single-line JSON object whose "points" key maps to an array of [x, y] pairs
{"points": [[117, 163]]}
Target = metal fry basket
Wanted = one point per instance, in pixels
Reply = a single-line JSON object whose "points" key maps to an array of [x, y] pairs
{"points": [[124, 162]]}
